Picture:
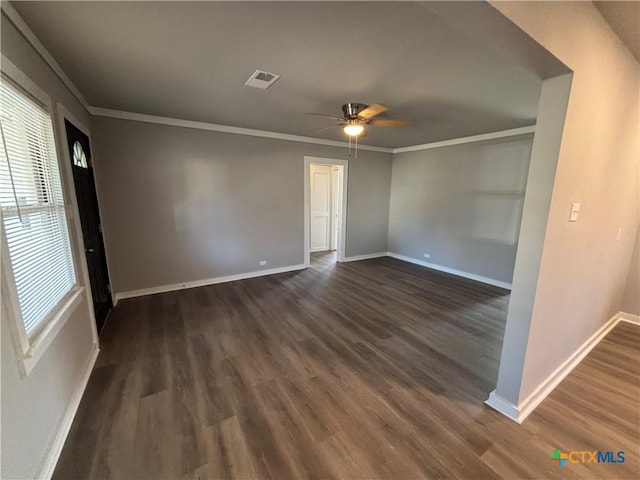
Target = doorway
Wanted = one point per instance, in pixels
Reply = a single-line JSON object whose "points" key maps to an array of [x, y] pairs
{"points": [[79, 149], [325, 208]]}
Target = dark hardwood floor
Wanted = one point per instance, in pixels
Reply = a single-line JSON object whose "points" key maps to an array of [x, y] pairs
{"points": [[362, 370]]}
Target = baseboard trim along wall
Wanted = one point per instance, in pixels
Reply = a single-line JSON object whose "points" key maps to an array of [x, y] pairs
{"points": [[453, 271], [518, 413], [367, 256], [207, 281], [242, 276], [50, 459], [354, 258], [629, 317], [503, 406]]}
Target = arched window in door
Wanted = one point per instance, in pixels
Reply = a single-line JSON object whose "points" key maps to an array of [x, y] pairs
{"points": [[79, 157]]}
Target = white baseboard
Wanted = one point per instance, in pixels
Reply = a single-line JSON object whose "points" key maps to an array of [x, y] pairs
{"points": [[453, 271], [366, 256], [505, 407], [48, 464], [201, 283], [629, 317], [232, 278], [519, 412]]}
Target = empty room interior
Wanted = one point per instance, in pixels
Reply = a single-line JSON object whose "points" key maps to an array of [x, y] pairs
{"points": [[347, 240]]}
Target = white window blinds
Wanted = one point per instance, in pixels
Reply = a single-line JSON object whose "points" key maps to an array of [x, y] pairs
{"points": [[32, 208]]}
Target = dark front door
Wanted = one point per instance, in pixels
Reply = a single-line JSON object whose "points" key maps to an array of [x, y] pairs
{"points": [[80, 154]]}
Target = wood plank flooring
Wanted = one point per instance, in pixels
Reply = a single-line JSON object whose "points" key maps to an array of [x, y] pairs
{"points": [[366, 370]]}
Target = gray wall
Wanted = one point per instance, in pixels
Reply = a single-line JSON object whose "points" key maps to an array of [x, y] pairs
{"points": [[631, 298], [32, 407], [583, 267], [461, 204], [182, 204]]}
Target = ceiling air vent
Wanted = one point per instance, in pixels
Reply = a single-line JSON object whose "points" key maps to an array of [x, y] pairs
{"points": [[262, 79]]}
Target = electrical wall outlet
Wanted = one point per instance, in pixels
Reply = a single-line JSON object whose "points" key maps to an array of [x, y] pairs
{"points": [[263, 263], [619, 235], [427, 255]]}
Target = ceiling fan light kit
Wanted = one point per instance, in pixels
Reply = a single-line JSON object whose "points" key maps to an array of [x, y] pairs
{"points": [[353, 129], [356, 116]]}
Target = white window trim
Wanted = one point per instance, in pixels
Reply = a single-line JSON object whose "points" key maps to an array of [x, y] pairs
{"points": [[30, 350]]}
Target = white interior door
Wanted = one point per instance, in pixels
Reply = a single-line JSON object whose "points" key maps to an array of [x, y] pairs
{"points": [[320, 206]]}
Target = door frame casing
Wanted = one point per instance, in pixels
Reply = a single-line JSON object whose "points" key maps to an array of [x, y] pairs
{"points": [[74, 214], [335, 174], [342, 234]]}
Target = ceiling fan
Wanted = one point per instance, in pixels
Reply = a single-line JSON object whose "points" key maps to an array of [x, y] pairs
{"points": [[356, 116]]}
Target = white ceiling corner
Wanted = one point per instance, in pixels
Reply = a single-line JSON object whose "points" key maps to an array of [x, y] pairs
{"points": [[189, 60]]}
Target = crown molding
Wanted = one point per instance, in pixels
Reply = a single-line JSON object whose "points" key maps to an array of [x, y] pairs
{"points": [[470, 139], [177, 122], [15, 18]]}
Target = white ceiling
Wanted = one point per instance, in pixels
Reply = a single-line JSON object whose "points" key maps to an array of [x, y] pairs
{"points": [[624, 19], [190, 60]]}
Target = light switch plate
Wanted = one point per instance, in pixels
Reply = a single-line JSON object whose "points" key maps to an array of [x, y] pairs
{"points": [[575, 210]]}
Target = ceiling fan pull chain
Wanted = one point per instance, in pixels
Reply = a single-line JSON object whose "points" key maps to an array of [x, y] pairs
{"points": [[349, 154], [356, 154]]}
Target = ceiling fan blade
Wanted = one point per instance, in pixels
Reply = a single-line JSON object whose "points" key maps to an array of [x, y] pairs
{"points": [[373, 110], [330, 127], [326, 116], [390, 122]]}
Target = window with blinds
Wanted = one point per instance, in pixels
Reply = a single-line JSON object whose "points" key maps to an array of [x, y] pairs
{"points": [[32, 206]]}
